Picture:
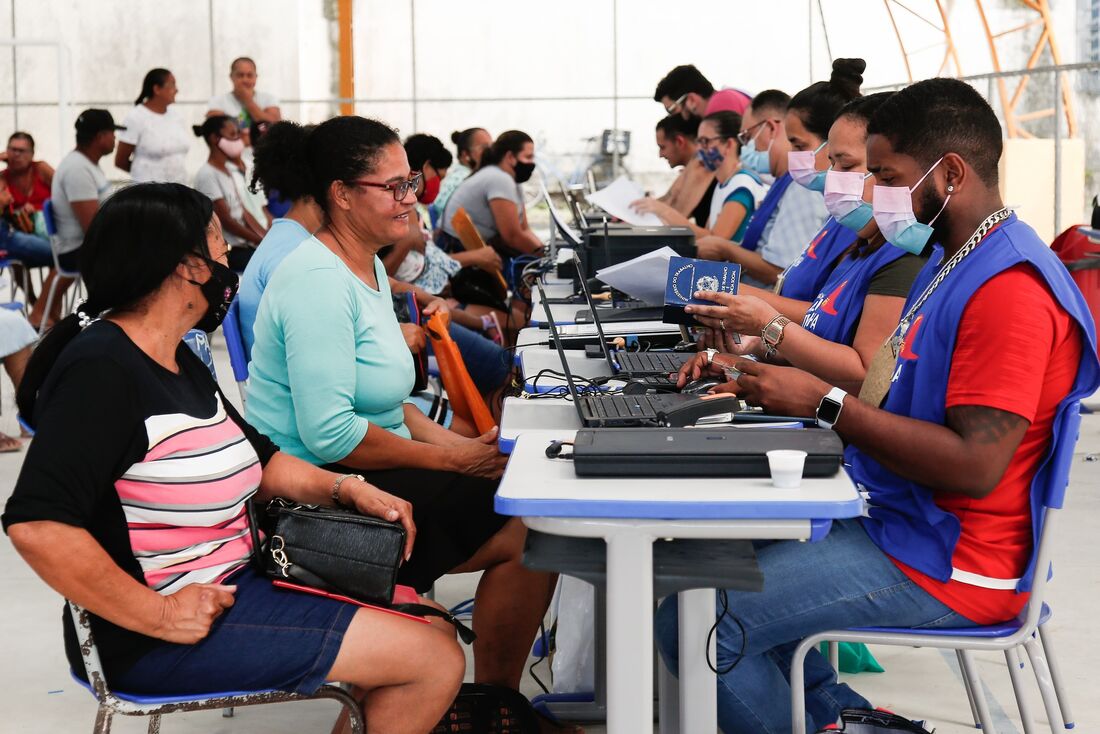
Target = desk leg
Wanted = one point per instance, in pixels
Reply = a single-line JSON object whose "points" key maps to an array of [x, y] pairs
{"points": [[630, 632], [698, 687]]}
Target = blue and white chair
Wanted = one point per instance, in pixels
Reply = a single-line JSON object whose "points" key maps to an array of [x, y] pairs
{"points": [[126, 704], [234, 342], [51, 230], [1024, 631]]}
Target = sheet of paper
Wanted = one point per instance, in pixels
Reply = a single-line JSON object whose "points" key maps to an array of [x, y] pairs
{"points": [[615, 199], [643, 277]]}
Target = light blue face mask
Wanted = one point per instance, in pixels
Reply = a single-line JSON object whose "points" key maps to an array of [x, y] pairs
{"points": [[893, 211], [844, 199], [756, 160]]}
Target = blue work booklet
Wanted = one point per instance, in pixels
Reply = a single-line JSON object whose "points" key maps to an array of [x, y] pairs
{"points": [[687, 275]]}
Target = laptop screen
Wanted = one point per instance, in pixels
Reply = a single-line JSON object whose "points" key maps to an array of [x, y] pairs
{"points": [[556, 337], [595, 315]]}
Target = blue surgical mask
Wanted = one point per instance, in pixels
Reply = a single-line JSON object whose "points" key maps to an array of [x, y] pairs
{"points": [[711, 158], [893, 211], [756, 160], [802, 166], [844, 199]]}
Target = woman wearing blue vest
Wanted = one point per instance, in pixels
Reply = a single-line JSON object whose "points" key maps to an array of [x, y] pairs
{"points": [[738, 193], [979, 391], [836, 334]]}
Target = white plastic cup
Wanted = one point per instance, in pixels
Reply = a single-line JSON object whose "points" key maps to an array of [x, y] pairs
{"points": [[786, 467]]}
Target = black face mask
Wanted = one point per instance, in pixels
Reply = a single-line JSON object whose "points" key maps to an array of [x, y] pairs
{"points": [[524, 171], [218, 290]]}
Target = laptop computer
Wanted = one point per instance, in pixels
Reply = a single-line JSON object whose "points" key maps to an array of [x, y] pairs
{"points": [[634, 364], [599, 410]]}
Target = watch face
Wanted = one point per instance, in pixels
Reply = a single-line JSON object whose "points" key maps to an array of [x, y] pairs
{"points": [[828, 411]]}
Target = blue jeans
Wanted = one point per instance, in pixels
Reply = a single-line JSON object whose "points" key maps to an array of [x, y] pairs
{"points": [[841, 581], [30, 249], [486, 361]]}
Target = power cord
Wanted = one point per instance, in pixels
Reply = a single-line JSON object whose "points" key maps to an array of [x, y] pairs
{"points": [[713, 630]]}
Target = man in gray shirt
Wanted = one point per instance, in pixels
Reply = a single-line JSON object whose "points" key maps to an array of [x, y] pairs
{"points": [[79, 186]]}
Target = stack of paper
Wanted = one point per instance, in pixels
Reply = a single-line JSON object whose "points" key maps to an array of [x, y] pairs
{"points": [[615, 199], [643, 277]]}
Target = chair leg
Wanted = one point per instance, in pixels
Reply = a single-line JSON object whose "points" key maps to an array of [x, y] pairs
{"points": [[1012, 659], [969, 692], [1056, 678], [103, 720], [834, 655], [49, 306], [971, 673], [154, 724], [1046, 686]]}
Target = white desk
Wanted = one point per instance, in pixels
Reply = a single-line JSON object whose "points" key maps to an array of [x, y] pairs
{"points": [[521, 415], [533, 360], [630, 514]]}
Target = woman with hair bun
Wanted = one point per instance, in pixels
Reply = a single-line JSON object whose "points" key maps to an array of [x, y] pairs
{"points": [[153, 144], [470, 144], [131, 500]]}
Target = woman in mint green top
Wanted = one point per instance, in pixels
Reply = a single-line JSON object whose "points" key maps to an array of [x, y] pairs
{"points": [[330, 374], [332, 342]]}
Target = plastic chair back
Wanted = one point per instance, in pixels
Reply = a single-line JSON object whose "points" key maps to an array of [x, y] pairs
{"points": [[465, 399], [47, 215], [234, 342], [470, 237]]}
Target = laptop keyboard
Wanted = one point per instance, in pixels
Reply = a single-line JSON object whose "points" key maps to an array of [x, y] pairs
{"points": [[656, 362], [620, 406]]}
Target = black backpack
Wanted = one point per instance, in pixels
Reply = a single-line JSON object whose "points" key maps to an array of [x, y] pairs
{"points": [[480, 708]]}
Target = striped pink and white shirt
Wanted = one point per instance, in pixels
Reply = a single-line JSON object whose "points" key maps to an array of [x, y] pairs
{"points": [[184, 502]]}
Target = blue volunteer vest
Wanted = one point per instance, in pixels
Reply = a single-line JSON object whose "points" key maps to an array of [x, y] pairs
{"points": [[835, 312], [805, 277], [903, 519], [765, 212]]}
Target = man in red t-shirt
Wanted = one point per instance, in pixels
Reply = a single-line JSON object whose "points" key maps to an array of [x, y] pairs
{"points": [[989, 365]]}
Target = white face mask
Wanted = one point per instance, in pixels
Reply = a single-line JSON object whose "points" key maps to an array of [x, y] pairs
{"points": [[232, 148], [844, 199], [893, 211]]}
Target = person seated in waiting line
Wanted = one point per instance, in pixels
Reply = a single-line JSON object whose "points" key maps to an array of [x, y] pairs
{"points": [[494, 200], [790, 215], [685, 91], [955, 456], [836, 334], [280, 166], [24, 189], [77, 189], [417, 260], [330, 374], [737, 194], [469, 144], [16, 339], [254, 111], [691, 192], [242, 231], [155, 143], [163, 567]]}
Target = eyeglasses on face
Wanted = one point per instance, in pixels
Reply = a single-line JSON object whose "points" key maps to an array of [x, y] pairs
{"points": [[400, 189], [703, 142], [678, 105], [747, 134]]}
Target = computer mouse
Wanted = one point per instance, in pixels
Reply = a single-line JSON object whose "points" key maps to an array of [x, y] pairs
{"points": [[700, 386]]}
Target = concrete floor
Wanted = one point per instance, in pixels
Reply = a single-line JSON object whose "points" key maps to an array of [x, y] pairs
{"points": [[37, 694]]}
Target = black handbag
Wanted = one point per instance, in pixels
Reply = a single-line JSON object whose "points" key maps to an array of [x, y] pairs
{"points": [[480, 708], [336, 551], [866, 721], [479, 287]]}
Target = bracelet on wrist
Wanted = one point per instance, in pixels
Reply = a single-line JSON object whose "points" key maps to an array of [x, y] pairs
{"points": [[336, 499]]}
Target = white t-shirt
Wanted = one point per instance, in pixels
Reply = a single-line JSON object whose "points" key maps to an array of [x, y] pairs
{"points": [[160, 141], [230, 105], [219, 185], [722, 191], [76, 179]]}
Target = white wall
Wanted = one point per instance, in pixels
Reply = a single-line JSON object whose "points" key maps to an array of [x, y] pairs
{"points": [[465, 52]]}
